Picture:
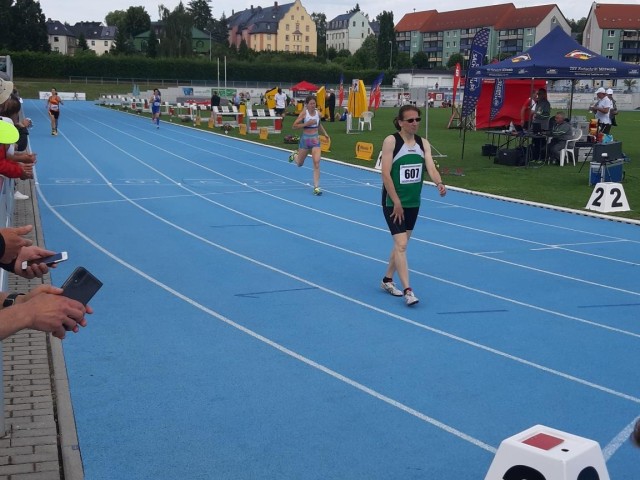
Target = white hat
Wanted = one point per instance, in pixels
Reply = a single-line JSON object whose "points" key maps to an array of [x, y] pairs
{"points": [[609, 91], [6, 89], [600, 90]]}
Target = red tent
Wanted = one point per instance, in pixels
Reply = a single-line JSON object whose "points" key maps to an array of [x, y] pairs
{"points": [[304, 85], [515, 93]]}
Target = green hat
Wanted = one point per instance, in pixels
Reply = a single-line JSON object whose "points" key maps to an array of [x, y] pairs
{"points": [[8, 133]]}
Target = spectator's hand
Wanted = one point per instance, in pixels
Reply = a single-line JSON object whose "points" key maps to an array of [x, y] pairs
{"points": [[35, 270], [13, 241], [48, 311], [28, 158], [27, 172]]}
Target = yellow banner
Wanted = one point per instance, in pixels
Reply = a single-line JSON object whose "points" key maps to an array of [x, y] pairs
{"points": [[325, 143], [364, 150]]}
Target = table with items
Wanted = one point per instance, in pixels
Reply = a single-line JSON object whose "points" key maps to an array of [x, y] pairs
{"points": [[515, 147]]}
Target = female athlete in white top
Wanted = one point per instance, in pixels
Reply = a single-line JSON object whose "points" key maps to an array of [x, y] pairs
{"points": [[309, 122]]}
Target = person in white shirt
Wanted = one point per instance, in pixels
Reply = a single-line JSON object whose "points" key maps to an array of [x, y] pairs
{"points": [[601, 110], [281, 102]]}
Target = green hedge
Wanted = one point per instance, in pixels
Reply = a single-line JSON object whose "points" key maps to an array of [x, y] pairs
{"points": [[42, 65]]}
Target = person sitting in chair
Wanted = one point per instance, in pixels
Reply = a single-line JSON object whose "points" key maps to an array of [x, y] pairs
{"points": [[560, 133]]}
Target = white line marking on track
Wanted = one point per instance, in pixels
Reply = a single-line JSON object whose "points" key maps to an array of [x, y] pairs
{"points": [[257, 336], [619, 440], [371, 307]]}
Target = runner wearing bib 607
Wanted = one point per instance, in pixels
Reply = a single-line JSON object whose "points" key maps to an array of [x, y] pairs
{"points": [[405, 157], [53, 108]]}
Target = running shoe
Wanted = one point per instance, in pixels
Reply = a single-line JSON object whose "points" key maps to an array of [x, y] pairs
{"points": [[292, 157], [20, 196], [391, 288], [317, 191], [53, 132], [410, 298]]}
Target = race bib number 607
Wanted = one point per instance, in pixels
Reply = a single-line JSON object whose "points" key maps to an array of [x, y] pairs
{"points": [[411, 173]]}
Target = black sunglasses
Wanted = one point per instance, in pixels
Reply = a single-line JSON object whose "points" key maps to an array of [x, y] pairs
{"points": [[411, 120]]}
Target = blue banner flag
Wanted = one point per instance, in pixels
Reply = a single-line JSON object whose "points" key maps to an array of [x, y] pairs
{"points": [[476, 58], [498, 98]]}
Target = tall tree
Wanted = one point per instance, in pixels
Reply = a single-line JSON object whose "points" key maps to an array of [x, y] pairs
{"points": [[115, 18], [387, 46], [136, 21], [577, 27], [455, 58], [355, 9], [5, 23], [200, 11], [82, 42], [420, 60], [152, 45], [244, 52], [219, 31], [176, 40], [366, 54], [320, 19], [28, 29], [122, 44]]}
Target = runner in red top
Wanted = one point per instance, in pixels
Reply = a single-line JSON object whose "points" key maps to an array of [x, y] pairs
{"points": [[53, 107]]}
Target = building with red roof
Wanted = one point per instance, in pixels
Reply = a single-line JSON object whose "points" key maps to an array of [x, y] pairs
{"points": [[613, 30], [442, 34]]}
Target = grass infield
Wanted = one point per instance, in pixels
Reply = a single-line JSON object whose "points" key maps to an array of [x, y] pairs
{"points": [[561, 186]]}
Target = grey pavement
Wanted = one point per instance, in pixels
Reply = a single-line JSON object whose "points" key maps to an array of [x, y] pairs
{"points": [[40, 441]]}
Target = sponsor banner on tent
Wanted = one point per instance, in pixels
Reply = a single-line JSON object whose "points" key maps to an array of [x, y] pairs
{"points": [[498, 98], [476, 58]]}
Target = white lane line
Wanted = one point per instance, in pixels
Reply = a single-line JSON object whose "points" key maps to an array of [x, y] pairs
{"points": [[361, 303]]}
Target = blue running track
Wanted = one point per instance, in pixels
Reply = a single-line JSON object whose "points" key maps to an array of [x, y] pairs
{"points": [[242, 332]]}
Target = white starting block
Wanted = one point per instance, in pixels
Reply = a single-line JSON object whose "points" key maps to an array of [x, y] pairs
{"points": [[543, 453], [608, 197]]}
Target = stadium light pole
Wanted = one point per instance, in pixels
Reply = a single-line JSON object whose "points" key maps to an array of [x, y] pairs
{"points": [[390, 53]]}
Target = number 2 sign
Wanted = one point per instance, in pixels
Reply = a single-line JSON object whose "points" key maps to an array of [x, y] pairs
{"points": [[608, 197]]}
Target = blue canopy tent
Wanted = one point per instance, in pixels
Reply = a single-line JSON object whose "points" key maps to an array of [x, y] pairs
{"points": [[557, 56]]}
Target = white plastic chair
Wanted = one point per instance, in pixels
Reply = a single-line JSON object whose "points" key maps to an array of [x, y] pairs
{"points": [[365, 119], [569, 148]]}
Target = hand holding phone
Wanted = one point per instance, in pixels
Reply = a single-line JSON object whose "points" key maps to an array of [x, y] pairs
{"points": [[50, 260], [81, 285]]}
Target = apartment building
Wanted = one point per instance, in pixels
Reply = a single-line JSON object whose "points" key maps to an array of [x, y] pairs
{"points": [[613, 31], [442, 34], [348, 31], [64, 38]]}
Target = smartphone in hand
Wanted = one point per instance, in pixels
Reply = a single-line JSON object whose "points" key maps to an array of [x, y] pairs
{"points": [[81, 285], [50, 260]]}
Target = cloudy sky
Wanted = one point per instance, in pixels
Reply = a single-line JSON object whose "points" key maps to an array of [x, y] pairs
{"points": [[72, 11]]}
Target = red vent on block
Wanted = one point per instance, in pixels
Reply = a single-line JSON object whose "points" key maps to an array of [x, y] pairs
{"points": [[543, 441]]}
